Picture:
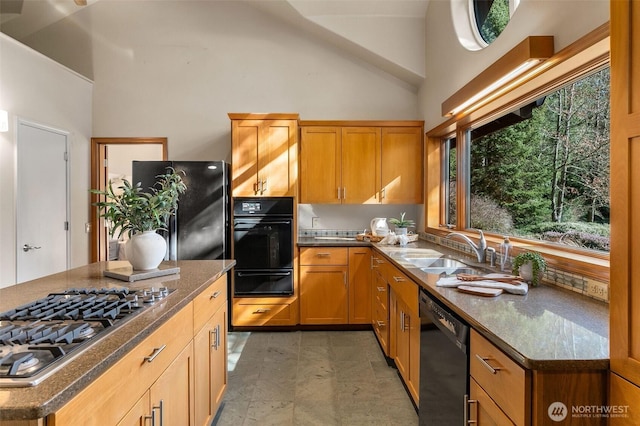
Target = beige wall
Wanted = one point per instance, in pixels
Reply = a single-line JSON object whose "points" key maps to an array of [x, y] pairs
{"points": [[450, 66], [176, 68], [35, 88]]}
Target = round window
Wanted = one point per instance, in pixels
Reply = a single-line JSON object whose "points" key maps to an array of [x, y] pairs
{"points": [[491, 17], [478, 22]]}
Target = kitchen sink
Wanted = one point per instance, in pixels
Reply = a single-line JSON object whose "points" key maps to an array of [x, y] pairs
{"points": [[435, 262], [449, 271]]}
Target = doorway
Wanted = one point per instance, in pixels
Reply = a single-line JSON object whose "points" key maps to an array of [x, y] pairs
{"points": [[42, 201], [111, 159]]}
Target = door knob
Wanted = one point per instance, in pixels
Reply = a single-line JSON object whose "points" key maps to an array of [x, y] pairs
{"points": [[27, 247]]}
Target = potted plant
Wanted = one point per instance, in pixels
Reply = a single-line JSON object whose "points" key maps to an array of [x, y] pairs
{"points": [[401, 224], [530, 266], [140, 214]]}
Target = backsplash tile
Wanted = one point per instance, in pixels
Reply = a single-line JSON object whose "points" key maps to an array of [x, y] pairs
{"points": [[552, 276], [315, 232]]}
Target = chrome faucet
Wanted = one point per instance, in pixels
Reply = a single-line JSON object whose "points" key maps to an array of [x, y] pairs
{"points": [[480, 249]]}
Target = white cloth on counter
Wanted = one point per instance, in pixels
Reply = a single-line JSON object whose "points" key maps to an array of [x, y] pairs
{"points": [[453, 281]]}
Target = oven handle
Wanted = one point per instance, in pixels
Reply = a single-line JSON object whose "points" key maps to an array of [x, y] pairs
{"points": [[263, 222], [259, 274]]}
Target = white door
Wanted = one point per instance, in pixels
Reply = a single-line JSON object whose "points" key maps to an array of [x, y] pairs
{"points": [[41, 201]]}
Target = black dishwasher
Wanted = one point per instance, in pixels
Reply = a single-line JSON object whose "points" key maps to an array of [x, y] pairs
{"points": [[444, 364]]}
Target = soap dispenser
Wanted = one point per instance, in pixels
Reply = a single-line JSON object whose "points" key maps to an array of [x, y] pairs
{"points": [[505, 252]]}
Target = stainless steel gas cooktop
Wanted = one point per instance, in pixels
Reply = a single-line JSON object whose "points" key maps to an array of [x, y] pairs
{"points": [[38, 338]]}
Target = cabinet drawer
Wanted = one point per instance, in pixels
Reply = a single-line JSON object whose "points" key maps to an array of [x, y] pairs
{"points": [[208, 302], [380, 322], [482, 410], [324, 256], [109, 398], [249, 314], [502, 379], [404, 288]]}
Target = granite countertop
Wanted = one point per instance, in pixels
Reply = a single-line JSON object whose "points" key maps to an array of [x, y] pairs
{"points": [[549, 328], [51, 394]]}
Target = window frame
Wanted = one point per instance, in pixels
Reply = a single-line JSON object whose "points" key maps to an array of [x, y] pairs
{"points": [[580, 58]]}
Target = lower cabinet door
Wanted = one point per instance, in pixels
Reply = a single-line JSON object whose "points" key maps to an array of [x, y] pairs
{"points": [[324, 295], [483, 411], [172, 394], [210, 370]]}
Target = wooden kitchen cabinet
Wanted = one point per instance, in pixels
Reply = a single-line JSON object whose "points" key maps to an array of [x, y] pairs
{"points": [[625, 201], [210, 350], [380, 302], [483, 410], [338, 165], [172, 393], [503, 392], [401, 166], [335, 285], [374, 162], [324, 286], [405, 329], [359, 285], [162, 402], [107, 400], [264, 154]]}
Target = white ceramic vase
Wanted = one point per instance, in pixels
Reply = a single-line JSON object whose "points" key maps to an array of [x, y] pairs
{"points": [[145, 251], [401, 231], [526, 271]]}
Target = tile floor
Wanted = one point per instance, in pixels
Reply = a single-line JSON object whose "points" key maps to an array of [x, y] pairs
{"points": [[312, 378]]}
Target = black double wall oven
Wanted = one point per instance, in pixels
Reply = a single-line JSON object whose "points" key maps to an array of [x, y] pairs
{"points": [[263, 240]]}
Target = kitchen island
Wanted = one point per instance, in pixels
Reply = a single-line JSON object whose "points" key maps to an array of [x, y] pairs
{"points": [[46, 398]]}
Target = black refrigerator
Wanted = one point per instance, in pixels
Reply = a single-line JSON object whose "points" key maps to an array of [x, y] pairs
{"points": [[201, 228]]}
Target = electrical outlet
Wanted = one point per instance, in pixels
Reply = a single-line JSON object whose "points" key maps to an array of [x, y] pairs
{"points": [[598, 290], [314, 222]]}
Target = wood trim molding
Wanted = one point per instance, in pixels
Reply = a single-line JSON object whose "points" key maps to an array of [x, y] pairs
{"points": [[265, 116], [98, 145], [361, 123]]}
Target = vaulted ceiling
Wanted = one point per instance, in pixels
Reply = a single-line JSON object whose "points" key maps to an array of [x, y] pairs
{"points": [[389, 34]]}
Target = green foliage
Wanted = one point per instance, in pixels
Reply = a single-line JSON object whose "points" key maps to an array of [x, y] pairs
{"points": [[131, 210], [538, 264], [496, 21], [487, 214], [402, 223], [550, 167]]}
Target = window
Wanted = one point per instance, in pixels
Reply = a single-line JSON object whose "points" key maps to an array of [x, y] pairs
{"points": [[541, 171], [491, 17]]}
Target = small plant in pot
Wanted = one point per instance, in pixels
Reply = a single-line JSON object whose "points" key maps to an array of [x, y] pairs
{"points": [[140, 214], [401, 224], [530, 266]]}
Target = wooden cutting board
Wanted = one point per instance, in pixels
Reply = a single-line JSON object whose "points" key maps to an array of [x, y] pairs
{"points": [[480, 291]]}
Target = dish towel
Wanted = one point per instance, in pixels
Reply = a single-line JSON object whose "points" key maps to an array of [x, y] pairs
{"points": [[453, 281]]}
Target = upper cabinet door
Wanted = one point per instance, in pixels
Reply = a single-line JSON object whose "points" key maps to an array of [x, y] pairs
{"points": [[277, 157], [245, 135], [320, 165], [401, 166], [360, 159], [264, 156]]}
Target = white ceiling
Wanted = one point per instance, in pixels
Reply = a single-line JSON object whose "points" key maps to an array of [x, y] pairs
{"points": [[389, 34]]}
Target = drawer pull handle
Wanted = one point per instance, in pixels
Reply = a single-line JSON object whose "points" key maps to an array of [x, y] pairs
{"points": [[155, 353], [483, 361], [381, 289], [215, 295], [380, 323], [323, 254], [261, 311], [399, 279]]}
